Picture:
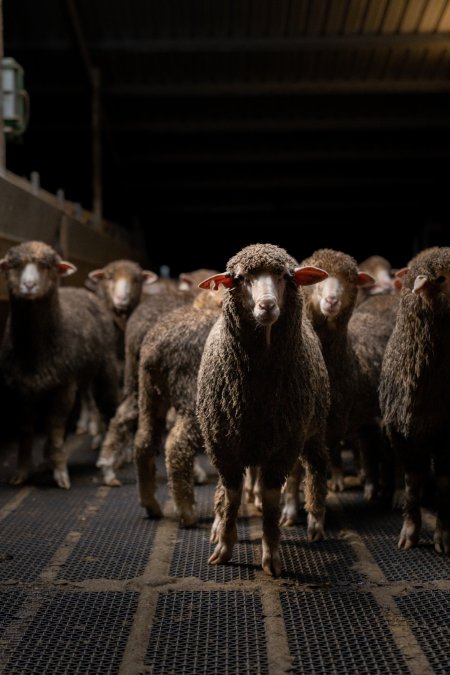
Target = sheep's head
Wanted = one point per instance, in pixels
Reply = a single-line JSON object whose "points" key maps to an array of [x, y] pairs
{"points": [[33, 270], [381, 271], [429, 277], [336, 295], [261, 273], [121, 283]]}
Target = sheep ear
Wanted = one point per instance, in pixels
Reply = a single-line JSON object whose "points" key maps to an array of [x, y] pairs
{"points": [[212, 283], [149, 277], [3, 264], [185, 282], [65, 268], [305, 276], [421, 284], [401, 273], [365, 279], [96, 275]]}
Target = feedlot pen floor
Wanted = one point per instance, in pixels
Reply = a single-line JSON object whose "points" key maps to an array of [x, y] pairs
{"points": [[88, 585]]}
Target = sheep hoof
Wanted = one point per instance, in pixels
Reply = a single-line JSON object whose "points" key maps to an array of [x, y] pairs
{"points": [[370, 492], [200, 475], [153, 510], [62, 479], [442, 538], [113, 482], [315, 529], [109, 477], [222, 553], [271, 561], [188, 518], [398, 500], [289, 515], [19, 478], [409, 535]]}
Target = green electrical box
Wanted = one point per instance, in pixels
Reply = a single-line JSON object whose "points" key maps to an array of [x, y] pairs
{"points": [[15, 99]]}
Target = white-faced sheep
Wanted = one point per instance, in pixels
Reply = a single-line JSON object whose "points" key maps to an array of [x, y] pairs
{"points": [[56, 342], [170, 359], [120, 434], [381, 270], [415, 392], [263, 394]]}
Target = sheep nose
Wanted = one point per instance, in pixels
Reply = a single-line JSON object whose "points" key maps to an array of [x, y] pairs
{"points": [[30, 284], [331, 300], [267, 304]]}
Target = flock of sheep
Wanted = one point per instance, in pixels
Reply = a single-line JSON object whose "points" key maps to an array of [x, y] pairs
{"points": [[270, 368]]}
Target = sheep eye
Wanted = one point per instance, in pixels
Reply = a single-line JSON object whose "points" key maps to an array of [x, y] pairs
{"points": [[440, 280]]}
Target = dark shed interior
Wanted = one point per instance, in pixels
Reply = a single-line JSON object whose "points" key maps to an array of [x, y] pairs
{"points": [[308, 123]]}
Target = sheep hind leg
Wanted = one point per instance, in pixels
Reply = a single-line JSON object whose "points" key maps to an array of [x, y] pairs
{"points": [[181, 444], [442, 531], [151, 429], [118, 436], [412, 520], [227, 529], [291, 496], [315, 462], [219, 499]]}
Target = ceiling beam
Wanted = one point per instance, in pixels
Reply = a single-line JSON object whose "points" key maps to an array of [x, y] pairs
{"points": [[202, 45], [207, 89]]}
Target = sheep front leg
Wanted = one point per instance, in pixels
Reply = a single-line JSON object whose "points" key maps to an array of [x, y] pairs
{"points": [[180, 451], [442, 530], [119, 434], [315, 461], [25, 452], [227, 529], [60, 406], [412, 520], [337, 471], [271, 561]]}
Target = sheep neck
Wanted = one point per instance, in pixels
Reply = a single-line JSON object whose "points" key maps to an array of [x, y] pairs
{"points": [[34, 323]]}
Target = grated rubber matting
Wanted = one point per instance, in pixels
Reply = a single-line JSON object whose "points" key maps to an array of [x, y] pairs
{"points": [[7, 492], [11, 604], [325, 562], [428, 614], [334, 632], [31, 535], [380, 529], [117, 540], [211, 632], [76, 633]]}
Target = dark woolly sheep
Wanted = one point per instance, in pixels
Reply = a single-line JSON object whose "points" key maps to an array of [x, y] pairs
{"points": [[119, 436], [415, 392], [263, 394], [169, 363], [329, 305], [381, 270], [119, 285], [56, 342]]}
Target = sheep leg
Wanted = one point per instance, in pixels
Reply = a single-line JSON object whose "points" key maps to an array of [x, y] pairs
{"points": [[369, 447], [252, 487], [227, 529], [60, 406], [151, 428], [118, 435], [271, 561], [25, 452], [442, 530], [291, 496], [180, 451], [315, 462], [219, 497], [412, 521], [337, 471]]}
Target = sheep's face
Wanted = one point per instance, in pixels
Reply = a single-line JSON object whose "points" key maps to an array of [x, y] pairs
{"points": [[122, 283], [334, 295], [33, 269], [263, 295], [433, 287], [384, 283]]}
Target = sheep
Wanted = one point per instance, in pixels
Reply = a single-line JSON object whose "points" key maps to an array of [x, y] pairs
{"points": [[120, 285], [381, 270], [329, 305], [122, 426], [414, 390], [56, 341], [263, 394], [169, 363]]}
